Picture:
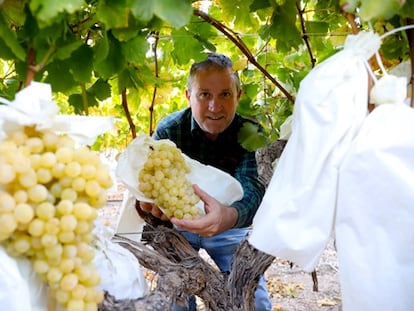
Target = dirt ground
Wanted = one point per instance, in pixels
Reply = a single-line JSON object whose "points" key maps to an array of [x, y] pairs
{"points": [[290, 288]]}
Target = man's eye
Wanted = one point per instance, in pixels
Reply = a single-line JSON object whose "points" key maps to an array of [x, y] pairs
{"points": [[204, 95], [225, 94]]}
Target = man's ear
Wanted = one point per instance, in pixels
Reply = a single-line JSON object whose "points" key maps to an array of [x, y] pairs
{"points": [[187, 94], [239, 93]]}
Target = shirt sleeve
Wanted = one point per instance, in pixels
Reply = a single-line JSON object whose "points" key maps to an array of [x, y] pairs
{"points": [[246, 174]]}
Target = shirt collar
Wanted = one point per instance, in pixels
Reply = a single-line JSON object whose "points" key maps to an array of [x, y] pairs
{"points": [[196, 130]]}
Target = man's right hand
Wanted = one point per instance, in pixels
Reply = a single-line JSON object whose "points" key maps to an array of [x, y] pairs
{"points": [[153, 209]]}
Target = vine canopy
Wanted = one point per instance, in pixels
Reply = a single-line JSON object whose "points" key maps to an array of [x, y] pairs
{"points": [[129, 58]]}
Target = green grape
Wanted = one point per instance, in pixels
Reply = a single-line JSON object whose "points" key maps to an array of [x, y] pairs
{"points": [[49, 196], [163, 179]]}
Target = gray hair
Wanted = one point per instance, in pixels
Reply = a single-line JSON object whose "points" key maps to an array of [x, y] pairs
{"points": [[213, 60]]}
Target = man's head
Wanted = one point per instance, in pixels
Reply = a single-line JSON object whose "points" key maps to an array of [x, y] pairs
{"points": [[213, 91]]}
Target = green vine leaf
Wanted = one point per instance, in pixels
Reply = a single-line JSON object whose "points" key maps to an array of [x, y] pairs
{"points": [[114, 61], [9, 38], [134, 50], [114, 14], [55, 71], [177, 13], [250, 137], [81, 64], [100, 89], [47, 10]]}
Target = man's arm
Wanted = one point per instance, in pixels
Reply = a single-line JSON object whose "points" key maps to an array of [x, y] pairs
{"points": [[246, 174]]}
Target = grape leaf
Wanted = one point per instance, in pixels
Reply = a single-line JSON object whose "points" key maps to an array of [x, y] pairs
{"points": [[55, 71], [113, 14], [47, 10], [13, 11], [135, 49], [185, 50], [370, 9], [76, 100], [250, 138], [177, 12], [100, 89], [114, 61], [142, 9], [81, 64], [259, 4], [10, 39]]}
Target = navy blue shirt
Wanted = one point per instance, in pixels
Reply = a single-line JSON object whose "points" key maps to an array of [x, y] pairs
{"points": [[224, 153]]}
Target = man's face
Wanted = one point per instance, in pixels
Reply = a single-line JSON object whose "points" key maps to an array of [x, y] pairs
{"points": [[213, 100]]}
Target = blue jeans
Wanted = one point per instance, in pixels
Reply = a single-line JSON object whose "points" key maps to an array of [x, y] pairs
{"points": [[221, 249]]}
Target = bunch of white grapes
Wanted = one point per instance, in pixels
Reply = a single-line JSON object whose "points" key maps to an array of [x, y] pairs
{"points": [[163, 179], [50, 191]]}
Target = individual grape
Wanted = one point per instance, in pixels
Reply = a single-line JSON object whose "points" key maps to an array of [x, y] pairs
{"points": [[48, 159], [66, 237], [45, 211], [37, 193], [88, 171], [73, 169], [58, 170], [28, 179], [64, 155], [67, 265], [79, 184], [79, 291], [23, 213], [44, 175], [54, 275], [7, 173], [54, 252], [7, 202], [62, 296], [75, 305], [50, 140], [69, 281], [64, 207], [21, 244], [36, 227], [68, 223], [49, 240], [40, 266], [35, 144], [69, 194], [82, 211], [7, 223]]}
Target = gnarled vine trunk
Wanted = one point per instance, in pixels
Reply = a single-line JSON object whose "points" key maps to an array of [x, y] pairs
{"points": [[181, 271]]}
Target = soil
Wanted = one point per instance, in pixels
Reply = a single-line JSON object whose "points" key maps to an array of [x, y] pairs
{"points": [[290, 288]]}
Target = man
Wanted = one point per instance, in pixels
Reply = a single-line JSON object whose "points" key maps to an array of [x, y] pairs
{"points": [[207, 132]]}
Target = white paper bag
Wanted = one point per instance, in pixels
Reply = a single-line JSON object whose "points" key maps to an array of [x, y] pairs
{"points": [[375, 210], [217, 183], [129, 222], [20, 287], [296, 216], [121, 273]]}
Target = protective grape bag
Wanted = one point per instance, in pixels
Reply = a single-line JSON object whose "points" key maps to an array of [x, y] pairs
{"points": [[217, 183]]}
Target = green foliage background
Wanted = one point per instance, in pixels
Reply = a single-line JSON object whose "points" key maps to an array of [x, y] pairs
{"points": [[129, 58]]}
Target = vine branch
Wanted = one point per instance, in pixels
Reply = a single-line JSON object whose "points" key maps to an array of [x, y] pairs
{"points": [[305, 36], [156, 36], [124, 103], [243, 48]]}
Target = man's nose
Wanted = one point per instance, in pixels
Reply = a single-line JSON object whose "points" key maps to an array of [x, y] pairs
{"points": [[214, 105]]}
